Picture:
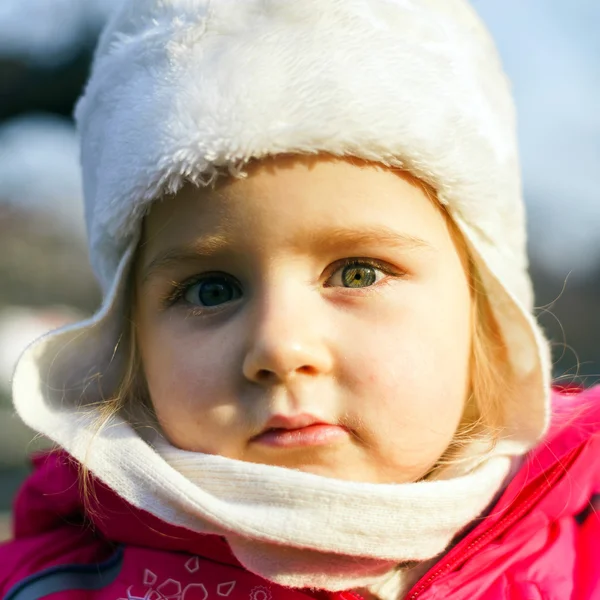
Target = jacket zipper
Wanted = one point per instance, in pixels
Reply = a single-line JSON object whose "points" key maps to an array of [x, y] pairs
{"points": [[464, 553]]}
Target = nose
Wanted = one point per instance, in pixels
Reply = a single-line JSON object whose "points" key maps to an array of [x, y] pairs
{"points": [[288, 338]]}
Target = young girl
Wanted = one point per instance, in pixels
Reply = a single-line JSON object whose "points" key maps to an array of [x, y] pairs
{"points": [[315, 372]]}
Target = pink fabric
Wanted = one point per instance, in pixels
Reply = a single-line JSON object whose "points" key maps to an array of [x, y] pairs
{"points": [[540, 542]]}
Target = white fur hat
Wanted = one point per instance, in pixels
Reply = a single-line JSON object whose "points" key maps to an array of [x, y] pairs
{"points": [[181, 89]]}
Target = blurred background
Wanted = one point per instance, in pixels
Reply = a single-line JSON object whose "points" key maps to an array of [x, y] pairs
{"points": [[551, 51]]}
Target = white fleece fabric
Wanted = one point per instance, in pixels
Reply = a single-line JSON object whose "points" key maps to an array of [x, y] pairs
{"points": [[182, 90]]}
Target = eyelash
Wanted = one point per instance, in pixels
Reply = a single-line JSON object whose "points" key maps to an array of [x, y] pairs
{"points": [[178, 289]]}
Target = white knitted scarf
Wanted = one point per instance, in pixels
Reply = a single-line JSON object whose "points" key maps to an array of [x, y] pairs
{"points": [[306, 531]]}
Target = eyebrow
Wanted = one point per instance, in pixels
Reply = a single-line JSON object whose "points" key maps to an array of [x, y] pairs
{"points": [[203, 247], [323, 240], [332, 238]]}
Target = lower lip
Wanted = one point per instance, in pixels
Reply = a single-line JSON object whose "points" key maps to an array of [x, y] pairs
{"points": [[313, 435]]}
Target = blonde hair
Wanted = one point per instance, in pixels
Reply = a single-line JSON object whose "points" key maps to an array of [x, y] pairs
{"points": [[490, 370]]}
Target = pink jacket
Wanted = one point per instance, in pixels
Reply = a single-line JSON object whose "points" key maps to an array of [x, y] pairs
{"points": [[540, 542]]}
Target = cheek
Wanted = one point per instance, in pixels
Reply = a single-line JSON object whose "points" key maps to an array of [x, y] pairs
{"points": [[186, 380], [411, 370]]}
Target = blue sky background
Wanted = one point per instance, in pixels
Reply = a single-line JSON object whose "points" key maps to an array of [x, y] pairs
{"points": [[551, 52]]}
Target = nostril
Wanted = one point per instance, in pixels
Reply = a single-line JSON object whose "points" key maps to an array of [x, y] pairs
{"points": [[264, 374], [269, 375]]}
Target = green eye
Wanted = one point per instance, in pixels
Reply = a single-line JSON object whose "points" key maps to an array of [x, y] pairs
{"points": [[357, 276], [212, 291]]}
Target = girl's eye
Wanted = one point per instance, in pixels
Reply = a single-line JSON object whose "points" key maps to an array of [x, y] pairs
{"points": [[213, 290], [356, 274]]}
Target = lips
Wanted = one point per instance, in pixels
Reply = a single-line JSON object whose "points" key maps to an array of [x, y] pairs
{"points": [[299, 431], [293, 421]]}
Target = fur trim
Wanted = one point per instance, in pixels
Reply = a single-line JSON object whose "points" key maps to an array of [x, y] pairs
{"points": [[181, 89]]}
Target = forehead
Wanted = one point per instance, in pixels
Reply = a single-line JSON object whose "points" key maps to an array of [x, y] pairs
{"points": [[293, 195]]}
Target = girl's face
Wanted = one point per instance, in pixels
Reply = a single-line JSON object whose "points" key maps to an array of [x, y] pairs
{"points": [[315, 315]]}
